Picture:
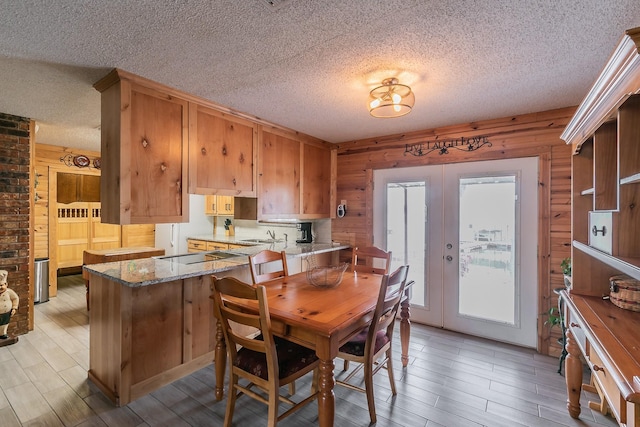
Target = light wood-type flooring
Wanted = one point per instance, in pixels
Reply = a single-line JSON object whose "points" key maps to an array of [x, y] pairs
{"points": [[452, 380]]}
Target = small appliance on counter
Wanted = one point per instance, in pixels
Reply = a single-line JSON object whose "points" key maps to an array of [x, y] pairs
{"points": [[304, 232]]}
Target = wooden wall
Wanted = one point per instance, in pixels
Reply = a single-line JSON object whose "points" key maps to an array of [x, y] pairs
{"points": [[49, 160], [535, 134]]}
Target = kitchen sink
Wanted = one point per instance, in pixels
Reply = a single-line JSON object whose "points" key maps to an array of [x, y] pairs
{"points": [[262, 240], [197, 257]]}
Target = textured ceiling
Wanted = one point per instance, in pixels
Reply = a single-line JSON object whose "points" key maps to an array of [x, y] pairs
{"points": [[307, 64]]}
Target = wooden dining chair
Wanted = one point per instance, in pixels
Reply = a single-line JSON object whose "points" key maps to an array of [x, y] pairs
{"points": [[371, 259], [374, 341], [264, 362], [258, 261]]}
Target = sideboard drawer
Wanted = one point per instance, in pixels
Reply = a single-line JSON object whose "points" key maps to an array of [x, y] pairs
{"points": [[578, 334], [607, 384], [601, 231]]}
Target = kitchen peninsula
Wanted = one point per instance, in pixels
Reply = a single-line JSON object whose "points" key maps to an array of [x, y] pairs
{"points": [[151, 320]]}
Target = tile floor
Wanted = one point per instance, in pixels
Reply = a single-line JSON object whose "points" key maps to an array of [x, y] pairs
{"points": [[452, 380]]}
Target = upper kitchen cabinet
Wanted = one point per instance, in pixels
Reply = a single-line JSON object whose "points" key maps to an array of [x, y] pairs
{"points": [[218, 205], [222, 153], [144, 151], [295, 177]]}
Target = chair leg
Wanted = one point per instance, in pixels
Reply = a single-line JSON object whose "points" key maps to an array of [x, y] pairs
{"points": [[274, 400], [389, 363], [292, 388], [346, 365], [231, 400], [368, 385]]}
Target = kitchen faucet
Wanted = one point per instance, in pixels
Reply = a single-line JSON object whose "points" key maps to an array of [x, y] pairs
{"points": [[272, 234]]}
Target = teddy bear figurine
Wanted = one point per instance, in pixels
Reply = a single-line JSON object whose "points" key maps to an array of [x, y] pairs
{"points": [[8, 304]]}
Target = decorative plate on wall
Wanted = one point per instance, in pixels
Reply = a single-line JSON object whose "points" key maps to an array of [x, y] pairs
{"points": [[81, 161]]}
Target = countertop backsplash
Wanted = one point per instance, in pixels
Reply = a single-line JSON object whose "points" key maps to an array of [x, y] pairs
{"points": [[321, 229]]}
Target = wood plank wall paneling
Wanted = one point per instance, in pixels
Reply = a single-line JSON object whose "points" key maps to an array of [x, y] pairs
{"points": [[535, 134], [48, 161], [48, 156]]}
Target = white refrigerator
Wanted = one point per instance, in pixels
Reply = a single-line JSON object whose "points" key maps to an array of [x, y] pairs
{"points": [[173, 237]]}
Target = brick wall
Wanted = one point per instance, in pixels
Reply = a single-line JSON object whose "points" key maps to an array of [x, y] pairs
{"points": [[14, 213]]}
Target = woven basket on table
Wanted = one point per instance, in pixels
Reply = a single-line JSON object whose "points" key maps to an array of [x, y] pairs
{"points": [[625, 292]]}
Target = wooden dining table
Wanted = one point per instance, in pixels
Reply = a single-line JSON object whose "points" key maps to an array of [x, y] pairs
{"points": [[322, 319]]}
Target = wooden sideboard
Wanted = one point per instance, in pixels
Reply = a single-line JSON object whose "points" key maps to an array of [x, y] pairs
{"points": [[605, 136]]}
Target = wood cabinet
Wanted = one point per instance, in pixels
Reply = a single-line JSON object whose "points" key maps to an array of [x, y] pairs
{"points": [[144, 151], [219, 205], [222, 153], [605, 136], [145, 337], [217, 246], [197, 245], [79, 228], [295, 177], [194, 245], [138, 235], [73, 187]]}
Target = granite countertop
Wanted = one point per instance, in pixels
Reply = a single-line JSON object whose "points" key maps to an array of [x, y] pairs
{"points": [[234, 240], [149, 271]]}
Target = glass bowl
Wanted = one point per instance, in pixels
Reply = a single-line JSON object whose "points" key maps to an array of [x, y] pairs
{"points": [[328, 276]]}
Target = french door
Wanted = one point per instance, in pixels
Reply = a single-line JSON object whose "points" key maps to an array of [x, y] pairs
{"points": [[469, 233]]}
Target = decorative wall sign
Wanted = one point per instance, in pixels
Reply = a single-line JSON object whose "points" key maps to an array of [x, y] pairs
{"points": [[80, 161], [442, 147]]}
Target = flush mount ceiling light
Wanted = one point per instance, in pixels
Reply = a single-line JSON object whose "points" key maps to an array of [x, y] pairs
{"points": [[391, 99]]}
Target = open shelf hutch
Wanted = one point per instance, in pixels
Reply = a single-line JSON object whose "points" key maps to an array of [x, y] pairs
{"points": [[605, 136]]}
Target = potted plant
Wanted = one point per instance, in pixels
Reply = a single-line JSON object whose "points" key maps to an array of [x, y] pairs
{"points": [[553, 318], [565, 265]]}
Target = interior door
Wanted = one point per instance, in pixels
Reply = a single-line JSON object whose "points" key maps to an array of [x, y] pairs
{"points": [[469, 233]]}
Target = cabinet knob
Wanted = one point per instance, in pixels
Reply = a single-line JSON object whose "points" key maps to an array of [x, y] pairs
{"points": [[598, 368], [595, 230], [574, 325], [145, 143]]}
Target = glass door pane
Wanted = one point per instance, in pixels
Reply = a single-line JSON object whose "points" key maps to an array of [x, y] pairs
{"points": [[487, 227], [406, 222]]}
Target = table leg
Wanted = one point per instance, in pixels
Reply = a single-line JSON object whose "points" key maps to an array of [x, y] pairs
{"points": [[326, 398], [405, 331], [573, 374], [220, 362]]}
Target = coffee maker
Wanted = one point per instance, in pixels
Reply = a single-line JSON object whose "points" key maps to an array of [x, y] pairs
{"points": [[304, 232]]}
